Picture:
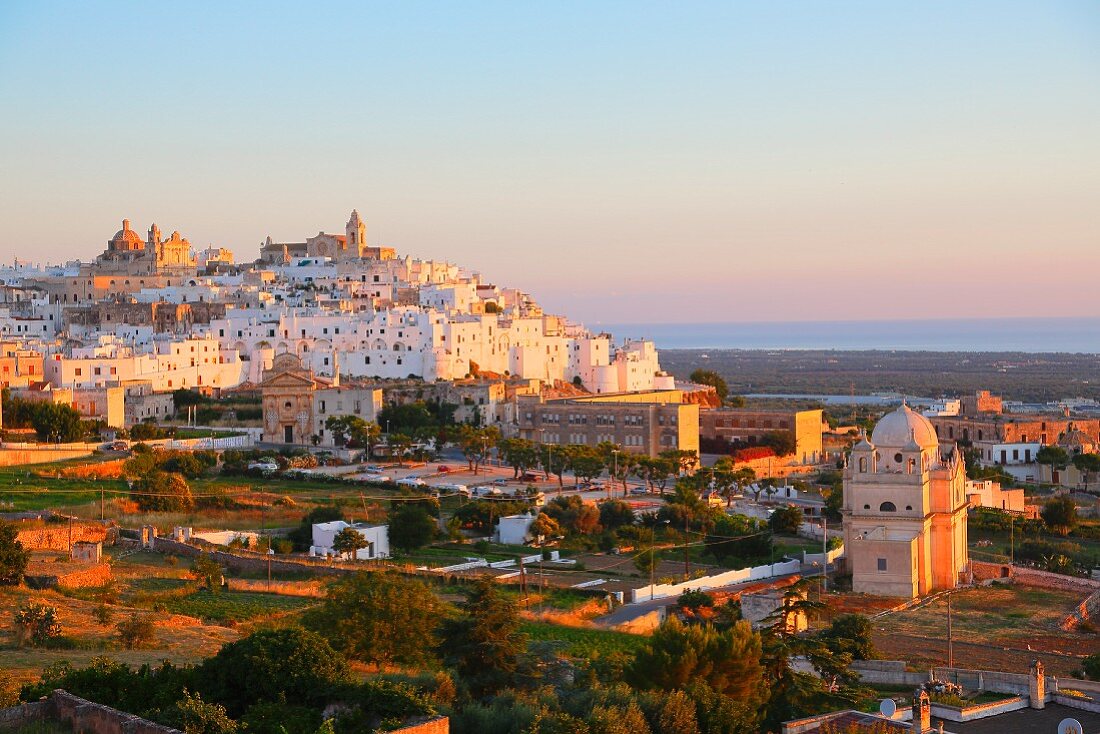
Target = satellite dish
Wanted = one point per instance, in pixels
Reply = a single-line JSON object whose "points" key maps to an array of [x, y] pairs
{"points": [[1070, 726], [888, 708]]}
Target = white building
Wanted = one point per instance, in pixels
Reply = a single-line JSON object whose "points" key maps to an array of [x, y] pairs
{"points": [[377, 537], [513, 529]]}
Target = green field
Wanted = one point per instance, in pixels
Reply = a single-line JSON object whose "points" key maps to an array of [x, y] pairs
{"points": [[584, 642], [233, 606]]}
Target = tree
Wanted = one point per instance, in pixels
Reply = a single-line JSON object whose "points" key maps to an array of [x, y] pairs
{"points": [[351, 429], [136, 631], [676, 655], [348, 541], [573, 514], [518, 453], [160, 491], [850, 634], [544, 527], [615, 514], [738, 537], [37, 623], [646, 561], [709, 377], [1087, 464], [585, 462], [1091, 664], [13, 556], [781, 442], [290, 664], [57, 423], [785, 520], [484, 645], [477, 444], [208, 572], [1053, 456], [411, 525], [1060, 514], [834, 502], [379, 617]]}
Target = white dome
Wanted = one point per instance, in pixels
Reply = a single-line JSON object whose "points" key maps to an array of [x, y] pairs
{"points": [[897, 428]]}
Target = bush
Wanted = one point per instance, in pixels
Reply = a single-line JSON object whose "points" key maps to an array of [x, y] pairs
{"points": [[13, 556], [37, 624], [162, 492], [137, 631]]}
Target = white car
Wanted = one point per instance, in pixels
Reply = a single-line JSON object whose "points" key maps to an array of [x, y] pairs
{"points": [[412, 482], [266, 467], [375, 478], [461, 489]]}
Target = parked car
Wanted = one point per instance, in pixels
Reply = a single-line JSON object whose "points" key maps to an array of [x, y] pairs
{"points": [[461, 489], [264, 467], [375, 478], [529, 477], [443, 468], [412, 482]]}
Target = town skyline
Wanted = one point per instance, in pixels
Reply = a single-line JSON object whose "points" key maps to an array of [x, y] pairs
{"points": [[712, 157]]}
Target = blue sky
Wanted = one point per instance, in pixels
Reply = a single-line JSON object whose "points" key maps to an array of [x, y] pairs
{"points": [[621, 161]]}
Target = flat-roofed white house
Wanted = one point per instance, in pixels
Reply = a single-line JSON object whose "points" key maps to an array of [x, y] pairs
{"points": [[377, 537]]}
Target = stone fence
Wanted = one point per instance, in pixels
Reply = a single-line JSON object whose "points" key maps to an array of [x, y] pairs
{"points": [[12, 454], [893, 672], [984, 571], [59, 537]]}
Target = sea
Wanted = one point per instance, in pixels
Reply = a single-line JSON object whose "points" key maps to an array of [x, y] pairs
{"points": [[1035, 335]]}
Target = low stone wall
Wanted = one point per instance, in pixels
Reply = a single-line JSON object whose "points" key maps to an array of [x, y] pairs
{"points": [[1076, 703], [86, 717], [14, 455], [68, 575], [23, 714], [1033, 577], [314, 589], [57, 536], [896, 675], [979, 711]]}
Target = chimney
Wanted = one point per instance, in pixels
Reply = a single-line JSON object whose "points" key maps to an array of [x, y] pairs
{"points": [[922, 712], [1036, 686]]}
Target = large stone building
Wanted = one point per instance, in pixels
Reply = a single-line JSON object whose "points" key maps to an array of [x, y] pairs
{"points": [[352, 245], [739, 428], [296, 403], [645, 423], [904, 509], [981, 419]]}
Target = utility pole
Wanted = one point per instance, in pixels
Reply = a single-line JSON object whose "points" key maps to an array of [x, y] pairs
{"points": [[950, 641], [824, 554], [687, 565], [523, 584], [101, 504], [1011, 540]]}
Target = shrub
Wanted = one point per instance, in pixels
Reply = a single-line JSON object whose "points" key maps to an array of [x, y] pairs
{"points": [[37, 624], [137, 631], [158, 491]]}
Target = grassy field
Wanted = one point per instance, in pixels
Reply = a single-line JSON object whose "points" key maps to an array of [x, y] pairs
{"points": [[234, 606], [584, 642]]}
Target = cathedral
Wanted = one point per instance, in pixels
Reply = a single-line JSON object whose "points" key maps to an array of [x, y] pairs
{"points": [[128, 254], [904, 509]]}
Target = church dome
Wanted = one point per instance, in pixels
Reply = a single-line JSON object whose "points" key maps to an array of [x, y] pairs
{"points": [[899, 427], [126, 238]]}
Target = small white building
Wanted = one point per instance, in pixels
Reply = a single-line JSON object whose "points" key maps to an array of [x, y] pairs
{"points": [[512, 529], [377, 537]]}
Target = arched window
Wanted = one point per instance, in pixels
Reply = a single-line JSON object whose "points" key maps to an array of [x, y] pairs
{"points": [[862, 464], [887, 507], [909, 507], [866, 507]]}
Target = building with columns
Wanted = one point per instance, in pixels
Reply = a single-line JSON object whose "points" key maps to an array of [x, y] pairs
{"points": [[904, 509]]}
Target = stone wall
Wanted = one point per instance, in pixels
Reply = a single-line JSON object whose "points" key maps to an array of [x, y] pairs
{"points": [[68, 575], [56, 536], [86, 717], [22, 455], [1034, 577], [23, 714], [284, 588]]}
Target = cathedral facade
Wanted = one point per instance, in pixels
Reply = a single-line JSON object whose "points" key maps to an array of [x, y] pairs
{"points": [[904, 509]]}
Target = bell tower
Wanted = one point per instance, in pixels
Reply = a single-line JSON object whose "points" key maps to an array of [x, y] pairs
{"points": [[356, 231]]}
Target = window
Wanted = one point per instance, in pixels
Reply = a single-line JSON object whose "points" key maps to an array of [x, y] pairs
{"points": [[881, 564], [887, 507]]}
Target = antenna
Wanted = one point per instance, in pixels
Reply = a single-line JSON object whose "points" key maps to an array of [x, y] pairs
{"points": [[888, 708]]}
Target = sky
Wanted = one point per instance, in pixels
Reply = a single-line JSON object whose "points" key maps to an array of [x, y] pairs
{"points": [[621, 161]]}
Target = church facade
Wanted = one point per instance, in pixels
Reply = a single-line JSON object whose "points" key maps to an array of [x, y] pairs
{"points": [[904, 510]]}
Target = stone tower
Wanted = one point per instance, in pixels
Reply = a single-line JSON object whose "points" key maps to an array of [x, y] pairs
{"points": [[356, 231]]}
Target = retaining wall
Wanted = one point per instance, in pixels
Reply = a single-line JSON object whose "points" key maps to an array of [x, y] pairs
{"points": [[437, 725], [23, 714], [1083, 612], [86, 717], [56, 537], [1025, 576], [19, 455]]}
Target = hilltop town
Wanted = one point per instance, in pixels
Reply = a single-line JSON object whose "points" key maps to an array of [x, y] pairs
{"points": [[338, 488]]}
